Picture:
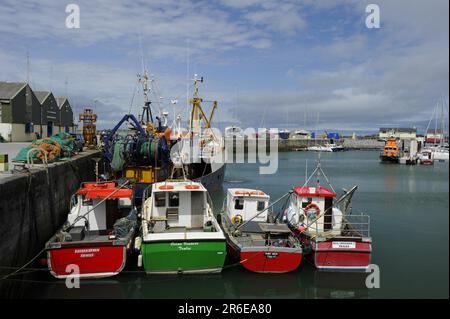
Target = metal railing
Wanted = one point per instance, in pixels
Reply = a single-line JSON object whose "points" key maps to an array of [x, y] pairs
{"points": [[349, 226]]}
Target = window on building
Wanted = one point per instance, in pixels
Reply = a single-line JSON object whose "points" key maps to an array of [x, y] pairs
{"points": [[261, 205]]}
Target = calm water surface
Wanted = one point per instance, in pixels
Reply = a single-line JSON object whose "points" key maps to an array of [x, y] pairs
{"points": [[409, 209]]}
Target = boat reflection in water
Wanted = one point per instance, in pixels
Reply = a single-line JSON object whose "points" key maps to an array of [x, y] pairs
{"points": [[335, 285], [234, 282]]}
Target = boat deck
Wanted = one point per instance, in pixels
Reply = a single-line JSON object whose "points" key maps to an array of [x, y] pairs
{"points": [[182, 230], [257, 234], [90, 238]]}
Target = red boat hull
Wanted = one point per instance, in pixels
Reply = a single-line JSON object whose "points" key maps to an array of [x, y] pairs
{"points": [[93, 261], [350, 256], [271, 261]]}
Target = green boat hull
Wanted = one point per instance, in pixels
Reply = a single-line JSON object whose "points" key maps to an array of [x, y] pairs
{"points": [[183, 256]]}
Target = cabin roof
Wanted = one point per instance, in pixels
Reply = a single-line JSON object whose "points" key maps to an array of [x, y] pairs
{"points": [[307, 191], [247, 192], [178, 186], [103, 190]]}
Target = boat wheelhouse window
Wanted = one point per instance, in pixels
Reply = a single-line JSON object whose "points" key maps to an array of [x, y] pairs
{"points": [[160, 199], [239, 204], [309, 201], [87, 202], [174, 199], [261, 205]]}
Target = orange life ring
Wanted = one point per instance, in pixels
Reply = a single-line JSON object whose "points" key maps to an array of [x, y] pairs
{"points": [[166, 187], [312, 205], [192, 187]]}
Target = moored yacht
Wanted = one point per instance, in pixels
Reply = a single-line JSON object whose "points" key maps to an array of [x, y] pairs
{"points": [[326, 148]]}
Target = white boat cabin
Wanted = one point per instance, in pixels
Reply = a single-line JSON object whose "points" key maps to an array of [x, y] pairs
{"points": [[245, 203], [178, 203], [91, 196], [313, 207]]}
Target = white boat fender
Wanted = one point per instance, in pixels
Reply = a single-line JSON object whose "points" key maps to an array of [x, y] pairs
{"points": [[137, 243], [139, 261]]}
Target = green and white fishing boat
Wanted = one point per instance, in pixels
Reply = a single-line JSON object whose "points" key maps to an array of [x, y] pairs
{"points": [[179, 231]]}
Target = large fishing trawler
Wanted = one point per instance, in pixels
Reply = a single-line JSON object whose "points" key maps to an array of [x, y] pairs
{"points": [[200, 150]]}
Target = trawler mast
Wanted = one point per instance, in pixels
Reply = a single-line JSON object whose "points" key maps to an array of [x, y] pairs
{"points": [[197, 112], [147, 116]]}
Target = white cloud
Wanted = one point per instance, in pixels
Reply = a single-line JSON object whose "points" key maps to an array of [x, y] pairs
{"points": [[165, 25], [353, 76]]}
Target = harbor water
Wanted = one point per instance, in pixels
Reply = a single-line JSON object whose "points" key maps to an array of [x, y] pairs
{"points": [[409, 209]]}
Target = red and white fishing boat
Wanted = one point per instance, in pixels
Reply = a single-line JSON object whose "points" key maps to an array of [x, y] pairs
{"points": [[333, 239], [259, 244], [96, 236], [426, 158]]}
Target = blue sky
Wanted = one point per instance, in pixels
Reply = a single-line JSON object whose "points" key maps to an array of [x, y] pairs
{"points": [[281, 58]]}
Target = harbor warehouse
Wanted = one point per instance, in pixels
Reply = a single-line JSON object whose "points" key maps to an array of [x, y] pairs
{"points": [[50, 113], [400, 133], [65, 115], [19, 112]]}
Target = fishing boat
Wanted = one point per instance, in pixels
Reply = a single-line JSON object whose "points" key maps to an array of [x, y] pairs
{"points": [[97, 235], [201, 149], [426, 157], [391, 152], [333, 238], [180, 234], [256, 242]]}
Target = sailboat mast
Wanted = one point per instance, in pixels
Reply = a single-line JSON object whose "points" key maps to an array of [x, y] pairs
{"points": [[304, 117], [441, 141]]}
